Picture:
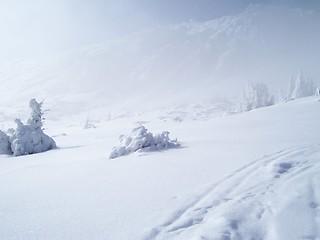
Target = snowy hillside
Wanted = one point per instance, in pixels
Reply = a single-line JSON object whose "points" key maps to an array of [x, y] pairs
{"points": [[113, 172], [252, 175], [173, 63]]}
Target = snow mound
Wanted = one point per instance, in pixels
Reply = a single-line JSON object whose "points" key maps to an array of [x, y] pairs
{"points": [[140, 138]]}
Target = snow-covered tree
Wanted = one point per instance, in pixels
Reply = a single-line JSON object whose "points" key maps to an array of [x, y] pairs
{"points": [[300, 87], [282, 97], [5, 147], [256, 96], [89, 124], [140, 138], [36, 118], [30, 138], [291, 88]]}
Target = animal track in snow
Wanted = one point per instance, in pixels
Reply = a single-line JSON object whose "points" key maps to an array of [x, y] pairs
{"points": [[244, 196]]}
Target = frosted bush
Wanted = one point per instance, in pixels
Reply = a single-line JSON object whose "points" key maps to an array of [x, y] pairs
{"points": [[4, 144], [30, 138], [257, 96], [140, 138]]}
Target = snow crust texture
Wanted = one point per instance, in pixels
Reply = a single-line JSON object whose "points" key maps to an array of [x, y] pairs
{"points": [[139, 139]]}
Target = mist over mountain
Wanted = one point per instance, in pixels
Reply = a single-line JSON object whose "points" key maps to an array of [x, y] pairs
{"points": [[175, 63]]}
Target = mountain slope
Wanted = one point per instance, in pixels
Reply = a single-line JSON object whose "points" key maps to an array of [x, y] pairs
{"points": [[181, 62]]}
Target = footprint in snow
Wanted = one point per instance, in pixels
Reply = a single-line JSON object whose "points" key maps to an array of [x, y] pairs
{"points": [[282, 168], [313, 205]]}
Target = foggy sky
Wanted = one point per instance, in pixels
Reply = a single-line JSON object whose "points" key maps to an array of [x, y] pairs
{"points": [[40, 27]]}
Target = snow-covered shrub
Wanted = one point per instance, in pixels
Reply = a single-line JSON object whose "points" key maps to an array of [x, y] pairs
{"points": [[140, 138], [257, 96], [302, 86], [30, 138], [4, 144]]}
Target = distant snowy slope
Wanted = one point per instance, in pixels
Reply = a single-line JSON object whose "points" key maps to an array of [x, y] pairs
{"points": [[174, 63]]}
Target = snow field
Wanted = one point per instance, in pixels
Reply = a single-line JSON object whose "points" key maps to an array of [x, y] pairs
{"points": [[228, 172]]}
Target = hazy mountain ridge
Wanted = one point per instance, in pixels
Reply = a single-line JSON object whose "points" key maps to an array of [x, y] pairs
{"points": [[191, 60]]}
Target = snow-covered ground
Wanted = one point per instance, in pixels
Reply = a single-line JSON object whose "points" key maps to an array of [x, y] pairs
{"points": [[251, 175]]}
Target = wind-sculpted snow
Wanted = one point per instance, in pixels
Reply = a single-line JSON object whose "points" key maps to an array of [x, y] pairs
{"points": [[141, 139]]}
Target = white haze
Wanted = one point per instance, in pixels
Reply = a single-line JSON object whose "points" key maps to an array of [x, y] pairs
{"points": [[165, 64], [39, 28]]}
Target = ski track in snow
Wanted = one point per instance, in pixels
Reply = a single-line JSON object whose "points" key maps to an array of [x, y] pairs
{"points": [[239, 191]]}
